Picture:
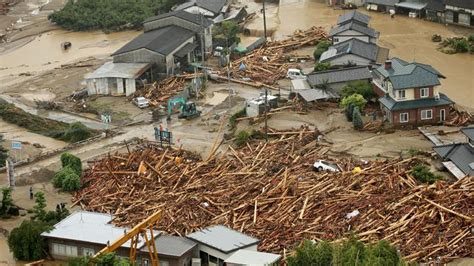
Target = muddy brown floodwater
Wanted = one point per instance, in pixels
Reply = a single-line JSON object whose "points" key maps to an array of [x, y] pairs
{"points": [[407, 38]]}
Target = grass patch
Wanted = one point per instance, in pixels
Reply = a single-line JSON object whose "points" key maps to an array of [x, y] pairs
{"points": [[233, 118], [423, 174]]}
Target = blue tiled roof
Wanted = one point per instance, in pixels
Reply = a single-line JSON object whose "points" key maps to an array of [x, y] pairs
{"points": [[393, 105]]}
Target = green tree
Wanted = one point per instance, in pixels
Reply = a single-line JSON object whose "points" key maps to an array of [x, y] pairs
{"points": [[356, 100], [40, 206], [77, 132], [359, 87], [7, 200], [25, 241], [321, 66], [382, 254], [66, 179], [310, 253], [349, 110], [226, 32], [3, 152], [423, 174], [321, 47], [106, 259], [72, 161], [357, 119], [71, 183]]}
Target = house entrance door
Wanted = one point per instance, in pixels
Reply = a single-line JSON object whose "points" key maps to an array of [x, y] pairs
{"points": [[442, 115]]}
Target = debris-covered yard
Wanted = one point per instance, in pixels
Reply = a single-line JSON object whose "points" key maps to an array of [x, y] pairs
{"points": [[270, 190]]}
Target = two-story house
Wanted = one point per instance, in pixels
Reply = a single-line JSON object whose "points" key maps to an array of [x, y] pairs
{"points": [[460, 12], [355, 52], [458, 158], [353, 25], [410, 93]]}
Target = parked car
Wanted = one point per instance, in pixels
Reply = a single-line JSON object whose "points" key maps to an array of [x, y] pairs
{"points": [[294, 73], [141, 102], [321, 165]]}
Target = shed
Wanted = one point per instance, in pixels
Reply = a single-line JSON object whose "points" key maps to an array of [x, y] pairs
{"points": [[253, 258], [312, 95], [217, 243], [116, 78], [256, 107]]}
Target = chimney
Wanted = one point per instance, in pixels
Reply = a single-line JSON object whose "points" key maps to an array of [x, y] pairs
{"points": [[388, 64]]}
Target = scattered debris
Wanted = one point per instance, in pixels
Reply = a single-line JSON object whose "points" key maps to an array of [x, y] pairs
{"points": [[47, 105], [459, 118], [436, 38], [269, 190]]}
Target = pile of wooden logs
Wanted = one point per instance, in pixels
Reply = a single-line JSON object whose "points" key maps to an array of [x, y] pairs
{"points": [[265, 66], [270, 191], [6, 4], [459, 118]]}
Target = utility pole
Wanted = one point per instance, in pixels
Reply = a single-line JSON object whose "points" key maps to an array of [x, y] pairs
{"points": [[202, 38], [264, 21], [266, 110]]}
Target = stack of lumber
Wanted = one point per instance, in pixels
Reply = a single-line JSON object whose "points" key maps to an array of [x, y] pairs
{"points": [[459, 118], [373, 126], [270, 191], [265, 66]]}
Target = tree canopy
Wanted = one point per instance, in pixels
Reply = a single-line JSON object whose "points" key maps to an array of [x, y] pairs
{"points": [[3, 152]]}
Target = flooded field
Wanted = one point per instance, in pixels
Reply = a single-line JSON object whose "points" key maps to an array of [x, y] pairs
{"points": [[407, 38]]}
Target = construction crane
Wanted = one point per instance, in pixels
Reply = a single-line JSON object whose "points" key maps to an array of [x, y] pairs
{"points": [[144, 228]]}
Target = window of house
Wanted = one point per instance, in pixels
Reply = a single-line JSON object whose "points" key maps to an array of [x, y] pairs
{"points": [[401, 94], [424, 92], [64, 250], [403, 117], [88, 252], [426, 114], [336, 39]]}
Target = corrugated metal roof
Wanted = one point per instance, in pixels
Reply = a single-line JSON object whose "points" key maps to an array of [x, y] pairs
{"points": [[353, 16], [339, 75], [311, 95], [223, 238], [119, 70], [162, 40], [185, 50], [173, 246], [90, 227], [253, 258], [300, 84], [393, 105], [468, 131]]}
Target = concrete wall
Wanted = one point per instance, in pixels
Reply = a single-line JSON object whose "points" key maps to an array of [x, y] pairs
{"points": [[345, 59], [101, 86]]}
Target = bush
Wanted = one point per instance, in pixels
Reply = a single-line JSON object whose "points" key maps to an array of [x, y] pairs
{"points": [[349, 110], [7, 200], [423, 174], [106, 259], [25, 241], [84, 15], [320, 49], [39, 208], [310, 253], [72, 161], [65, 179], [358, 87], [382, 254], [71, 183], [233, 118], [357, 119], [357, 100], [226, 32], [321, 66], [242, 137], [77, 132]]}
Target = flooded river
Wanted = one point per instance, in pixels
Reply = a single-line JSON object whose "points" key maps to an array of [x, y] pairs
{"points": [[407, 38]]}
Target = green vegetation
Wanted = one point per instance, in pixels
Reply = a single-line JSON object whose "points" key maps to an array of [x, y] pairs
{"points": [[359, 87], [47, 127], [321, 47], [356, 100], [349, 252], [413, 152], [7, 201], [357, 119], [243, 137], [225, 33], [110, 15], [39, 208], [233, 118], [457, 45], [321, 66], [67, 179], [349, 109], [3, 152], [72, 161], [25, 241], [106, 259], [423, 174]]}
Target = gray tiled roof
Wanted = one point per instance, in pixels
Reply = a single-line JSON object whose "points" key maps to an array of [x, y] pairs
{"points": [[437, 5], [354, 26], [383, 2], [462, 155], [223, 238], [393, 105], [339, 75], [353, 16], [162, 41], [173, 246], [468, 131], [351, 46], [469, 4], [405, 75], [215, 6], [193, 18]]}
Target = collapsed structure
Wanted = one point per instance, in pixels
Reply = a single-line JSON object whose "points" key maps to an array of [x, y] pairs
{"points": [[269, 190]]}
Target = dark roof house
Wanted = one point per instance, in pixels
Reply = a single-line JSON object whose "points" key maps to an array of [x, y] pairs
{"points": [[467, 4], [162, 41], [181, 14], [213, 6], [459, 158], [355, 47], [435, 5], [343, 75], [356, 27], [353, 16]]}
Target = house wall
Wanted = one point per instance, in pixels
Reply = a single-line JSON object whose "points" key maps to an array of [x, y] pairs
{"points": [[218, 254], [170, 65], [97, 86], [345, 59], [141, 56], [459, 16], [350, 34], [156, 24], [417, 93], [415, 116]]}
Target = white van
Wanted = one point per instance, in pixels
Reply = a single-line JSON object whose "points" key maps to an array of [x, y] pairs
{"points": [[294, 73]]}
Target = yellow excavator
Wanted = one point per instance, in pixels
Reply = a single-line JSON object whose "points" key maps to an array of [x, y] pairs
{"points": [[145, 228]]}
